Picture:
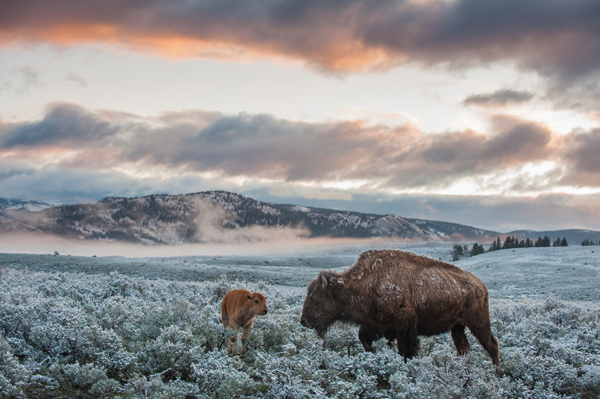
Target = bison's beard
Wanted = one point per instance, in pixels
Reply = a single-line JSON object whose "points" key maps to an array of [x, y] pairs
{"points": [[321, 332]]}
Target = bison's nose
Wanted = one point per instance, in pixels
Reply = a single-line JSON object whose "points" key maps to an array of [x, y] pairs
{"points": [[304, 322], [265, 311]]}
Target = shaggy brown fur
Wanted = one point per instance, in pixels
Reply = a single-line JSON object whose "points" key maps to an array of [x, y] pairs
{"points": [[238, 309], [400, 295]]}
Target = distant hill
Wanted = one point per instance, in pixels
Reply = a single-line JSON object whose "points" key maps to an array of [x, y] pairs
{"points": [[221, 216], [203, 217], [32, 206], [573, 236], [455, 231]]}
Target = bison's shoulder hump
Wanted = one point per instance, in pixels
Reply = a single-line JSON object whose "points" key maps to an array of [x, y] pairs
{"points": [[373, 261]]}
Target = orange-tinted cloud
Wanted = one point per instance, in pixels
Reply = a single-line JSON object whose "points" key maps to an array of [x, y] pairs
{"points": [[556, 38]]}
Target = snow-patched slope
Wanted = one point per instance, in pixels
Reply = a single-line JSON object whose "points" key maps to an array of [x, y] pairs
{"points": [[212, 216], [31, 206]]}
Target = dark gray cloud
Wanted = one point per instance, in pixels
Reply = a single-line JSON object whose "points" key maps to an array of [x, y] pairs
{"points": [[63, 124], [557, 38], [498, 98], [582, 154], [267, 147]]}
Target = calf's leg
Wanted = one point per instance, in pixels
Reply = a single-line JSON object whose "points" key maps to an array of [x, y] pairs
{"points": [[232, 346], [245, 334]]}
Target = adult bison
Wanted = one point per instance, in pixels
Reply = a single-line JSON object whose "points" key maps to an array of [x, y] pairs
{"points": [[400, 295], [238, 309]]}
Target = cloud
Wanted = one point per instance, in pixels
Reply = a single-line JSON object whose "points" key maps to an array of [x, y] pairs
{"points": [[581, 152], [210, 221], [498, 98], [77, 79], [26, 78], [63, 124], [264, 147], [555, 38]]}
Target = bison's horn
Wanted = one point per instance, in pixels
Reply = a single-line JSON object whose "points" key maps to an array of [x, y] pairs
{"points": [[377, 263], [323, 281]]}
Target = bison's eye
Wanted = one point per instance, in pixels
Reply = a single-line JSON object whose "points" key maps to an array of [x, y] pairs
{"points": [[315, 297], [256, 301]]}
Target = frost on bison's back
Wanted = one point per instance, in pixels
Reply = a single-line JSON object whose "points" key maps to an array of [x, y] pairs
{"points": [[400, 295]]}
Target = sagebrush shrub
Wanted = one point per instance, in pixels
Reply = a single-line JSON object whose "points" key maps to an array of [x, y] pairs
{"points": [[111, 335]]}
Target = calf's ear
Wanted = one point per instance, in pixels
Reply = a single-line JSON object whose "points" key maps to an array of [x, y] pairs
{"points": [[249, 297]]}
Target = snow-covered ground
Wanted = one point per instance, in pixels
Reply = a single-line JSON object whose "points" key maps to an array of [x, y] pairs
{"points": [[570, 273], [112, 326]]}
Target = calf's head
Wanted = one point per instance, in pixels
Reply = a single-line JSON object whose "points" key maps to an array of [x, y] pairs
{"points": [[322, 303], [258, 303]]}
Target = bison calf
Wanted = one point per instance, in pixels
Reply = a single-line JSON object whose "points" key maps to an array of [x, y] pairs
{"points": [[400, 295], [238, 309]]}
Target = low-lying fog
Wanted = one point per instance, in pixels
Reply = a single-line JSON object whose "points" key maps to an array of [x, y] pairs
{"points": [[571, 273]]}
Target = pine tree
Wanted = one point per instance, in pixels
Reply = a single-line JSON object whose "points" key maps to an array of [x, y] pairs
{"points": [[498, 244], [474, 250], [458, 249], [564, 242], [546, 241]]}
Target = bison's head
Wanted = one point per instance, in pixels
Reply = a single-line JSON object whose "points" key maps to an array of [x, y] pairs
{"points": [[322, 304], [258, 303]]}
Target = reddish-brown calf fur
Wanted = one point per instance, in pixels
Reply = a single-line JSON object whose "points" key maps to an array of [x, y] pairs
{"points": [[238, 309], [400, 295]]}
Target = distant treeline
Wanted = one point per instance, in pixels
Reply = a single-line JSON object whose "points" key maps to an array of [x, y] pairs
{"points": [[587, 242], [512, 242]]}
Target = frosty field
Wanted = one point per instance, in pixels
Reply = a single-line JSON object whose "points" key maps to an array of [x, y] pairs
{"points": [[149, 327]]}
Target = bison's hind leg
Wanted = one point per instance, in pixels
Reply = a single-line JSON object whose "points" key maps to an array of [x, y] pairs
{"points": [[460, 339], [484, 335]]}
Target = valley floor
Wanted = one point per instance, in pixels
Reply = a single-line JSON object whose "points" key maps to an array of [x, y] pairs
{"points": [[570, 273]]}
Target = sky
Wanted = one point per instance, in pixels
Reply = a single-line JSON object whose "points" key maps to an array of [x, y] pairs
{"points": [[485, 113]]}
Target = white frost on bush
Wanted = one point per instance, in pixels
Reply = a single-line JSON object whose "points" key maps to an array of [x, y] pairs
{"points": [[115, 336]]}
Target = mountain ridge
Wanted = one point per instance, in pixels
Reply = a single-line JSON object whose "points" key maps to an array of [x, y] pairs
{"points": [[222, 216]]}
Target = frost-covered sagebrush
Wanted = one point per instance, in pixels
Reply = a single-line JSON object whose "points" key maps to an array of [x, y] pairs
{"points": [[70, 335]]}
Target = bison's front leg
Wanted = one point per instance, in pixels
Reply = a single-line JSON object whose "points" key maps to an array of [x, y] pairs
{"points": [[245, 334], [366, 337], [408, 338]]}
